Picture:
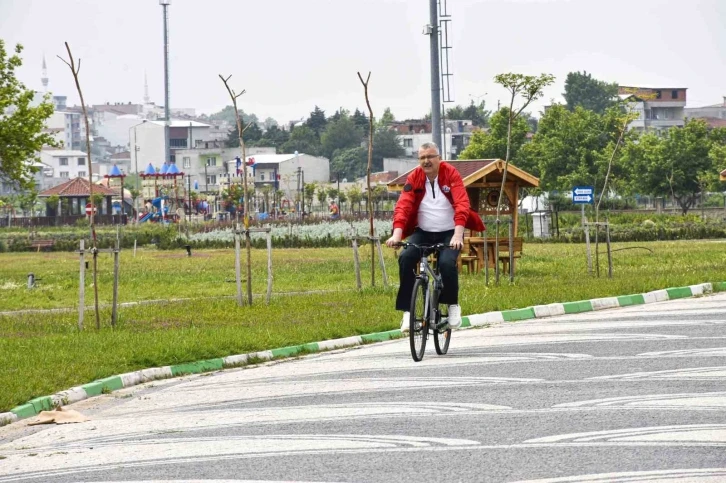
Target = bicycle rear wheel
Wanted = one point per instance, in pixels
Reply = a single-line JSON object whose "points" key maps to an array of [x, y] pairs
{"points": [[418, 328], [442, 337]]}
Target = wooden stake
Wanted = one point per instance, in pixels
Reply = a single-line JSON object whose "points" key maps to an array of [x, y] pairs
{"points": [[382, 262], [368, 174], [82, 288], [114, 309], [269, 267], [75, 70], [357, 264], [587, 247], [610, 255], [240, 300]]}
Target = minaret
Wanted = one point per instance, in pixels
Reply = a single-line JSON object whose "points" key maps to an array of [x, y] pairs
{"points": [[44, 78], [146, 90]]}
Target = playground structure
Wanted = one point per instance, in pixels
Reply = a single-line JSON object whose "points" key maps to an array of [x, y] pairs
{"points": [[163, 195]]}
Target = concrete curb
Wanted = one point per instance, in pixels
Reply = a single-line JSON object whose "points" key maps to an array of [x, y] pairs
{"points": [[109, 384]]}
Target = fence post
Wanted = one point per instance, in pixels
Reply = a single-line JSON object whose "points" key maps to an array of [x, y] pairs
{"points": [[114, 309], [82, 288], [511, 250], [586, 227], [383, 264], [486, 259], [238, 280], [357, 262], [610, 256], [269, 265]]}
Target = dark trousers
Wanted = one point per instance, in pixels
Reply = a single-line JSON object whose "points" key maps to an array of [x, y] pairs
{"points": [[408, 261]]}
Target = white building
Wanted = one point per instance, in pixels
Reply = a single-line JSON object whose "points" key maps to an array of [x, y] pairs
{"points": [[658, 109], [285, 172], [66, 164], [116, 128], [147, 140], [73, 134]]}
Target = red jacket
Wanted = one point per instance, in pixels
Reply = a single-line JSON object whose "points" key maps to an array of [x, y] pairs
{"points": [[405, 215]]}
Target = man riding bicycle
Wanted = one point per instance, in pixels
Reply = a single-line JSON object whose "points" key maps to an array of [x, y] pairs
{"points": [[433, 208]]}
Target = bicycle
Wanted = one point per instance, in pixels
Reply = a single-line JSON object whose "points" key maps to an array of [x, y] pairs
{"points": [[427, 314]]}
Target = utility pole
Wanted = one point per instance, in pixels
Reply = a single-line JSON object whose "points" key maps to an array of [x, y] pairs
{"points": [[433, 31], [167, 154]]}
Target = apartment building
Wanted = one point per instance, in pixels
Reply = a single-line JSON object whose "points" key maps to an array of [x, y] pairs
{"points": [[658, 108]]}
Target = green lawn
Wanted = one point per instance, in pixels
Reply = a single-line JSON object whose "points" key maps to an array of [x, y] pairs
{"points": [[43, 353]]}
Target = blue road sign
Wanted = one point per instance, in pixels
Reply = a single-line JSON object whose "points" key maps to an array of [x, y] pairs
{"points": [[583, 195]]}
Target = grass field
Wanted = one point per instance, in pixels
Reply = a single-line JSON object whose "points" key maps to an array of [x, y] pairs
{"points": [[43, 352]]}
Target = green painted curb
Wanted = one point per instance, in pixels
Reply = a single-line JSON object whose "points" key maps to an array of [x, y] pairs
{"points": [[295, 349], [626, 300], [97, 387], [719, 286], [577, 307], [465, 322], [679, 292], [381, 336], [24, 411], [518, 314], [197, 367]]}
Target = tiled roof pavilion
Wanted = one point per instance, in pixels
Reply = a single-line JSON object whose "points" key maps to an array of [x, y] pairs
{"points": [[77, 187]]}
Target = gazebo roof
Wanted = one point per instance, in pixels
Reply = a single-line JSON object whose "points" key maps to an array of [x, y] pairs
{"points": [[480, 170], [75, 188], [723, 175]]}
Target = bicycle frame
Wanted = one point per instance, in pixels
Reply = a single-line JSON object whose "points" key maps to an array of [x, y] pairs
{"points": [[433, 282]]}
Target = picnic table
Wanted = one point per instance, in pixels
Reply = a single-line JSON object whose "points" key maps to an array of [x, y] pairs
{"points": [[479, 245]]}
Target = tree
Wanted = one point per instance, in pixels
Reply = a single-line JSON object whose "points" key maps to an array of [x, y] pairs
{"points": [[340, 134], [308, 194], [21, 124], [478, 114], [529, 88], [571, 148], [303, 140], [676, 164], [592, 94], [355, 195], [269, 123], [386, 119], [317, 121], [275, 137], [322, 195], [349, 163], [385, 145], [250, 134], [227, 114], [361, 121], [492, 144]]}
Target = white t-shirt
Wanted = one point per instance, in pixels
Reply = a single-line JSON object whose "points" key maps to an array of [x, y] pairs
{"points": [[435, 213]]}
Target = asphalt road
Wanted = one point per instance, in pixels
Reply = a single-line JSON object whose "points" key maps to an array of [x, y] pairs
{"points": [[634, 394]]}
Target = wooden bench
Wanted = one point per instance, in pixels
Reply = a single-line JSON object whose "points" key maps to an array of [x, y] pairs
{"points": [[467, 258], [516, 250], [42, 244]]}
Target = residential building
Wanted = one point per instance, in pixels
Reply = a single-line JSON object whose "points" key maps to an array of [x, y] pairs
{"points": [[43, 178], [73, 129], [657, 108], [284, 172], [714, 115], [147, 140], [66, 164], [412, 134]]}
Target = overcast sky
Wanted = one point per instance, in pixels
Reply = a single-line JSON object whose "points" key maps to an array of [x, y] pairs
{"points": [[291, 55]]}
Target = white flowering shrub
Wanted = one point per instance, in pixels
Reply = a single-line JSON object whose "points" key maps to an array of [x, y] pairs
{"points": [[333, 233]]}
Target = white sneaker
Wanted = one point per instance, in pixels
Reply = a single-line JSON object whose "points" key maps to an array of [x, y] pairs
{"points": [[454, 316], [405, 322]]}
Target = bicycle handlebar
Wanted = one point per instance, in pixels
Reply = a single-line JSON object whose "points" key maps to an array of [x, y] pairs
{"points": [[437, 246]]}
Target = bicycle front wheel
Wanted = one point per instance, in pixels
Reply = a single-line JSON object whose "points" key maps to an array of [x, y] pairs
{"points": [[418, 325], [442, 337]]}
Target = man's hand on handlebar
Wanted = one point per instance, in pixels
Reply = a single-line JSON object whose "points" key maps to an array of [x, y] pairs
{"points": [[395, 239], [457, 242]]}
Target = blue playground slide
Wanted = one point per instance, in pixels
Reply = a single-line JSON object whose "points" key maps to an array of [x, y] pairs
{"points": [[145, 217]]}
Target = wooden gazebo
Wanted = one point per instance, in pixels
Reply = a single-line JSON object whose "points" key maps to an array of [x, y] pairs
{"points": [[483, 179], [78, 192], [723, 175]]}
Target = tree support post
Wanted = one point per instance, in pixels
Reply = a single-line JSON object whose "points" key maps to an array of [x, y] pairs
{"points": [[82, 287]]}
